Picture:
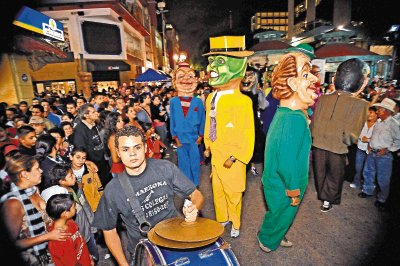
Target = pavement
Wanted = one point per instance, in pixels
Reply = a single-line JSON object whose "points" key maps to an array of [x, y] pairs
{"points": [[352, 233]]}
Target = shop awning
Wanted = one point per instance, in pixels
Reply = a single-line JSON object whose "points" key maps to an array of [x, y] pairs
{"points": [[39, 52], [272, 45], [107, 65], [339, 52], [151, 75]]}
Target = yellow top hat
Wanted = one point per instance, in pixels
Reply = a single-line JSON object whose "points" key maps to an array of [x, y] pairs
{"points": [[229, 45]]}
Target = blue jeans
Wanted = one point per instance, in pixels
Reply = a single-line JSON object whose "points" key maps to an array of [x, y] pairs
{"points": [[92, 247], [381, 167], [132, 259], [360, 162]]}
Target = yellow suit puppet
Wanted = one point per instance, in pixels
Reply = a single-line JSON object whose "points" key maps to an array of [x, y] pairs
{"points": [[232, 144]]}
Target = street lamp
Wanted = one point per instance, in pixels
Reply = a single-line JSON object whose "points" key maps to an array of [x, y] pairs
{"points": [[182, 57], [176, 60], [161, 10]]}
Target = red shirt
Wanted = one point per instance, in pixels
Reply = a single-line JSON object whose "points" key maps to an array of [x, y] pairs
{"points": [[73, 251], [185, 102]]}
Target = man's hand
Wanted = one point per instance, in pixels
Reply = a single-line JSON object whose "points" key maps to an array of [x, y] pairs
{"points": [[365, 139], [294, 196], [190, 211], [228, 163], [92, 166], [295, 201], [382, 152], [362, 88], [207, 153], [80, 185], [198, 141], [58, 234], [178, 143]]}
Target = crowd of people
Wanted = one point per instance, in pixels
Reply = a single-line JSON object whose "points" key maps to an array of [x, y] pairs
{"points": [[62, 157]]}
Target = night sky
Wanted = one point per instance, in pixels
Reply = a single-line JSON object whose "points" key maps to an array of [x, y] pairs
{"points": [[197, 20]]}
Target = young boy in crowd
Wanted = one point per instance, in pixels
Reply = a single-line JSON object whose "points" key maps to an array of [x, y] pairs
{"points": [[74, 251], [27, 139], [88, 180], [61, 175]]}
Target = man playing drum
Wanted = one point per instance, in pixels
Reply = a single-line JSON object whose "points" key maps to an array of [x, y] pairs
{"points": [[154, 183]]}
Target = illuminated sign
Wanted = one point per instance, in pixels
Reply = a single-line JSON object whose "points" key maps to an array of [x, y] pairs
{"points": [[35, 21]]}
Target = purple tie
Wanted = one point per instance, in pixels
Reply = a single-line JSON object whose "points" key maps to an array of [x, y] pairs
{"points": [[213, 121]]}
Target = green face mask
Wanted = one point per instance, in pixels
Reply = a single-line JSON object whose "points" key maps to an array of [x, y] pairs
{"points": [[225, 68]]}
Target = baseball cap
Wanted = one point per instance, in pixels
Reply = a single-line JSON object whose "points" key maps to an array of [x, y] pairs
{"points": [[36, 120]]}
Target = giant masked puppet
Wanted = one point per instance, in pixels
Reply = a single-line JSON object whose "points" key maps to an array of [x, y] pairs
{"points": [[229, 128], [187, 116], [287, 148]]}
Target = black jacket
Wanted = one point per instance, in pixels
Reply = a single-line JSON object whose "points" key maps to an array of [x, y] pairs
{"points": [[90, 140]]}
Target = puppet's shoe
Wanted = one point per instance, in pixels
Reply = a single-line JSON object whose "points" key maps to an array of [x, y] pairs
{"points": [[234, 232], [264, 248], [286, 243]]}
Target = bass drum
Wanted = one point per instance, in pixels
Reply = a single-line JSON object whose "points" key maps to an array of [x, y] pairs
{"points": [[148, 254]]}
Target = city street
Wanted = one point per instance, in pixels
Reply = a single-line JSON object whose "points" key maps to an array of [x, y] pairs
{"points": [[353, 233]]}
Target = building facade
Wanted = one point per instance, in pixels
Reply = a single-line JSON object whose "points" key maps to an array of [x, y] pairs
{"points": [[106, 43]]}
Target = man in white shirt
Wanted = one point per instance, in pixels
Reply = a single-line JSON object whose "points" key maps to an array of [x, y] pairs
{"points": [[362, 145], [385, 139]]}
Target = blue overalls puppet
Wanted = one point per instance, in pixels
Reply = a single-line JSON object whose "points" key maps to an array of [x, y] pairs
{"points": [[187, 116]]}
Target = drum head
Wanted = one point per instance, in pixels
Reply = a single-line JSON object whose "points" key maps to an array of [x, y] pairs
{"points": [[177, 229], [160, 241]]}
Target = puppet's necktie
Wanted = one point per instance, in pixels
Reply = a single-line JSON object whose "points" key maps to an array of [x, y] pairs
{"points": [[213, 121]]}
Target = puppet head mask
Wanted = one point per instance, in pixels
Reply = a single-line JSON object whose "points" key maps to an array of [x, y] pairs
{"points": [[293, 76], [227, 59], [184, 80], [222, 69], [250, 79]]}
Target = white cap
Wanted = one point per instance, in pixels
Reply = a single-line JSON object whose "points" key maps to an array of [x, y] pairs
{"points": [[51, 191]]}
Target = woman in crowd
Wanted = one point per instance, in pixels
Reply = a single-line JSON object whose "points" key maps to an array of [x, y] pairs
{"points": [[67, 117], [159, 117], [113, 122], [67, 145], [47, 154], [23, 211], [129, 114]]}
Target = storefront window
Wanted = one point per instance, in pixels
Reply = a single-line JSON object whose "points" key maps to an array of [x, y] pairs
{"points": [[106, 85], [59, 87]]}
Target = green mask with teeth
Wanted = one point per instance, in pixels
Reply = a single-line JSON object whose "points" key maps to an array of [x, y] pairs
{"points": [[225, 68]]}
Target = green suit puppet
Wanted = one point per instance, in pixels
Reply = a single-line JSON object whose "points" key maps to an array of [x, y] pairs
{"points": [[287, 149], [229, 127]]}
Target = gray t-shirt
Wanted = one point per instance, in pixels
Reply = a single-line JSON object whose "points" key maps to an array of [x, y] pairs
{"points": [[155, 189]]}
